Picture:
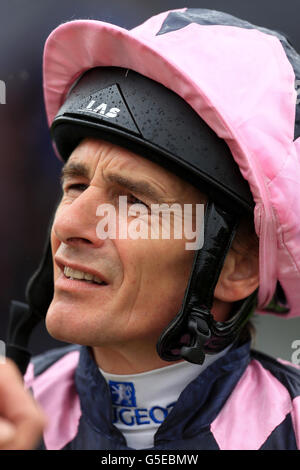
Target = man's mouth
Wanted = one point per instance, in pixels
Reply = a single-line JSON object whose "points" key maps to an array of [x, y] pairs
{"points": [[82, 276]]}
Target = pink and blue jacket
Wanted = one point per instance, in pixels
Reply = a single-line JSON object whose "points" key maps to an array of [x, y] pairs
{"points": [[245, 400]]}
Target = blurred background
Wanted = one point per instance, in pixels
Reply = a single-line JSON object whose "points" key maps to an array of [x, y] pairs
{"points": [[29, 170]]}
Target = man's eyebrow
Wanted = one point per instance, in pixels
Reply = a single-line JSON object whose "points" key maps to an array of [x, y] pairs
{"points": [[139, 187], [72, 169]]}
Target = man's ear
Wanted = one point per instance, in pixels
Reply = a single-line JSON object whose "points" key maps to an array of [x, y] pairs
{"points": [[239, 277]]}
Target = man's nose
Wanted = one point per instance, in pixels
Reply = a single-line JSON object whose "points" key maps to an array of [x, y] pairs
{"points": [[75, 223]]}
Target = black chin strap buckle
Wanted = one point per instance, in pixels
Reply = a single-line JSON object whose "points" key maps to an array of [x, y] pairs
{"points": [[200, 334]]}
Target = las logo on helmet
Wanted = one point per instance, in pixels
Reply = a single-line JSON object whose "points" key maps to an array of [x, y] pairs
{"points": [[101, 109]]}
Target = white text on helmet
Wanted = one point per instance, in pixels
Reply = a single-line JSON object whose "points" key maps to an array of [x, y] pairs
{"points": [[102, 109]]}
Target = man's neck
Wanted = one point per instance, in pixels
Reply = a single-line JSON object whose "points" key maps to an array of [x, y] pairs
{"points": [[132, 361]]}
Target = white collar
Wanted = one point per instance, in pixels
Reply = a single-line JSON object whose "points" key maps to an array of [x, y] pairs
{"points": [[142, 401]]}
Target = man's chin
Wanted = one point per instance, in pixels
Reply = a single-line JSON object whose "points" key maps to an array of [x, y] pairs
{"points": [[58, 332], [61, 324]]}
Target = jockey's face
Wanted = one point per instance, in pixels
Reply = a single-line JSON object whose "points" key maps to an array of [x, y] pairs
{"points": [[144, 278]]}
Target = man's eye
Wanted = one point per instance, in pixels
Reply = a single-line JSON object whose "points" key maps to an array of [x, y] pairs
{"points": [[76, 187], [134, 200]]}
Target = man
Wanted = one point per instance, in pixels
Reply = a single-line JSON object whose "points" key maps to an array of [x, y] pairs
{"points": [[193, 108]]}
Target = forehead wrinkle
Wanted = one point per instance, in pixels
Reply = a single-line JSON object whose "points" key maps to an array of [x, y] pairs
{"points": [[137, 165], [88, 150], [147, 177]]}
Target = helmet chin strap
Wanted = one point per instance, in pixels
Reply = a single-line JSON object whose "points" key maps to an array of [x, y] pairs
{"points": [[24, 317], [194, 332]]}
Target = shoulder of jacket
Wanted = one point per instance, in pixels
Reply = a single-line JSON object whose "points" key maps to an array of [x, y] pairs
{"points": [[284, 371], [46, 361], [51, 379], [263, 406]]}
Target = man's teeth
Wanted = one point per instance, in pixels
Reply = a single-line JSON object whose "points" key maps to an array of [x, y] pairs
{"points": [[75, 274]]}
